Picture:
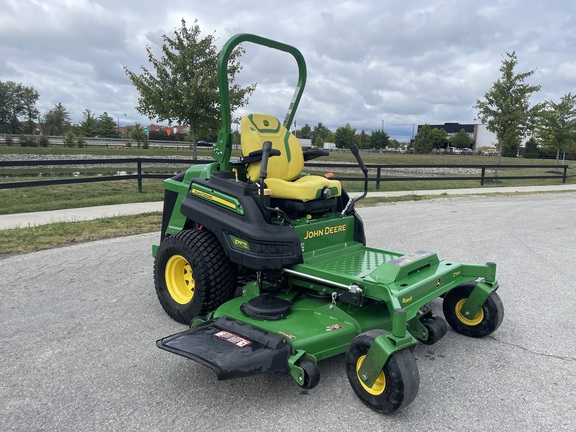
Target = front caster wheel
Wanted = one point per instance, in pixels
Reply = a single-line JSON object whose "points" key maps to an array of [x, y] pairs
{"points": [[486, 321], [397, 384], [436, 327]]}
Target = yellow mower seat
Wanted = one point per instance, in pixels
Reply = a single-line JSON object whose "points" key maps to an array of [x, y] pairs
{"points": [[285, 178]]}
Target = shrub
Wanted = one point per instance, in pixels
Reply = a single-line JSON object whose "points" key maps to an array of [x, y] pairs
{"points": [[69, 139], [43, 141]]}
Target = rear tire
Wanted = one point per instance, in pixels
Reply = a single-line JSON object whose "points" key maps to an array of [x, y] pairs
{"points": [[397, 384], [192, 275]]}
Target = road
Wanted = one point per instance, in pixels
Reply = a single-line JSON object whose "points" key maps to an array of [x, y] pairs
{"points": [[79, 325]]}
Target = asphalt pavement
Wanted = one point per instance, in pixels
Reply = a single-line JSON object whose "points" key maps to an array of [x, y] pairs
{"points": [[78, 327]]}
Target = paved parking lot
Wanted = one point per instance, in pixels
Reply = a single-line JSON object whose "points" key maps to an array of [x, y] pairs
{"points": [[78, 327]]}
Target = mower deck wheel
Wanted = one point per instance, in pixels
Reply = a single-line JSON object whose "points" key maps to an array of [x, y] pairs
{"points": [[311, 374], [192, 275], [486, 321], [396, 385], [436, 327]]}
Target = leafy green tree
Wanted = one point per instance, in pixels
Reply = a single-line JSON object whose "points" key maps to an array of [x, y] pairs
{"points": [[531, 148], [57, 120], [438, 138], [320, 135], [138, 134], [89, 125], [423, 140], [378, 140], [305, 132], [16, 101], [183, 86], [345, 137], [363, 139], [461, 139], [506, 108], [29, 99], [106, 126], [558, 125]]}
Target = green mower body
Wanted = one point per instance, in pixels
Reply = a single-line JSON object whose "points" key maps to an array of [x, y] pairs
{"points": [[274, 285]]}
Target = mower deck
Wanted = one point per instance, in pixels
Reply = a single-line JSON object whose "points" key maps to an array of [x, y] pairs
{"points": [[327, 301]]}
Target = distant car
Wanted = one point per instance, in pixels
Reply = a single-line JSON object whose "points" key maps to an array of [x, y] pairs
{"points": [[204, 144]]}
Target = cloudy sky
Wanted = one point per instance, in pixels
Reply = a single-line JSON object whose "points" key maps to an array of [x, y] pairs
{"points": [[390, 63]]}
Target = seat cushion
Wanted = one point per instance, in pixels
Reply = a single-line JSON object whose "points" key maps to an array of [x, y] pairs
{"points": [[304, 189]]}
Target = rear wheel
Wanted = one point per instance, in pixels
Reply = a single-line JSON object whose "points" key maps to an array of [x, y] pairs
{"points": [[397, 383], [485, 322], [192, 275]]}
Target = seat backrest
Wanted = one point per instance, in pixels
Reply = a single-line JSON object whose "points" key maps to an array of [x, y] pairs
{"points": [[258, 128]]}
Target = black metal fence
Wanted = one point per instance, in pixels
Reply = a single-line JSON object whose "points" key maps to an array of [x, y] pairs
{"points": [[560, 173]]}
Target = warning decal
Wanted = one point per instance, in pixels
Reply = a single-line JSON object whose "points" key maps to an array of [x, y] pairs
{"points": [[232, 338]]}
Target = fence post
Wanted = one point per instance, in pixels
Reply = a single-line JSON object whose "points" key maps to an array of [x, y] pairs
{"points": [[139, 163], [565, 174], [378, 179], [482, 176]]}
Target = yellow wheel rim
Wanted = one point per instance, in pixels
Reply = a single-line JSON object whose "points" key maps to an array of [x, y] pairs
{"points": [[179, 279], [379, 385], [469, 322]]}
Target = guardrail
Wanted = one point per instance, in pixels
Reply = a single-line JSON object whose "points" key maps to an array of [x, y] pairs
{"points": [[378, 178]]}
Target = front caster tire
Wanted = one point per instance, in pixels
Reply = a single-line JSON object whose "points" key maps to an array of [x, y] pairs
{"points": [[397, 384], [192, 275], [486, 321], [436, 327]]}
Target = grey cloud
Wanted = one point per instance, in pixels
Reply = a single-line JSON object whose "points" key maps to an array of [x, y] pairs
{"points": [[397, 61]]}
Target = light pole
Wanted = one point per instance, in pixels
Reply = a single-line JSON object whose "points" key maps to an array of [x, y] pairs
{"points": [[118, 121]]}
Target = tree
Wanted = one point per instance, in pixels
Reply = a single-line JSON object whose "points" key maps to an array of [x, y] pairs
{"points": [[183, 86], [558, 125], [320, 135], [363, 139], [506, 107], [345, 137], [89, 125], [423, 140], [305, 132], [106, 126], [16, 101], [438, 138], [461, 139], [57, 120], [378, 140], [531, 149], [138, 134], [29, 99]]}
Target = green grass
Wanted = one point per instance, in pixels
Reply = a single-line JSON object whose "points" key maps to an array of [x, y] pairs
{"points": [[42, 198], [22, 240]]}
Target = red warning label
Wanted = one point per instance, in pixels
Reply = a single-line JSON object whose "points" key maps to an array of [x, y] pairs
{"points": [[232, 338]]}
